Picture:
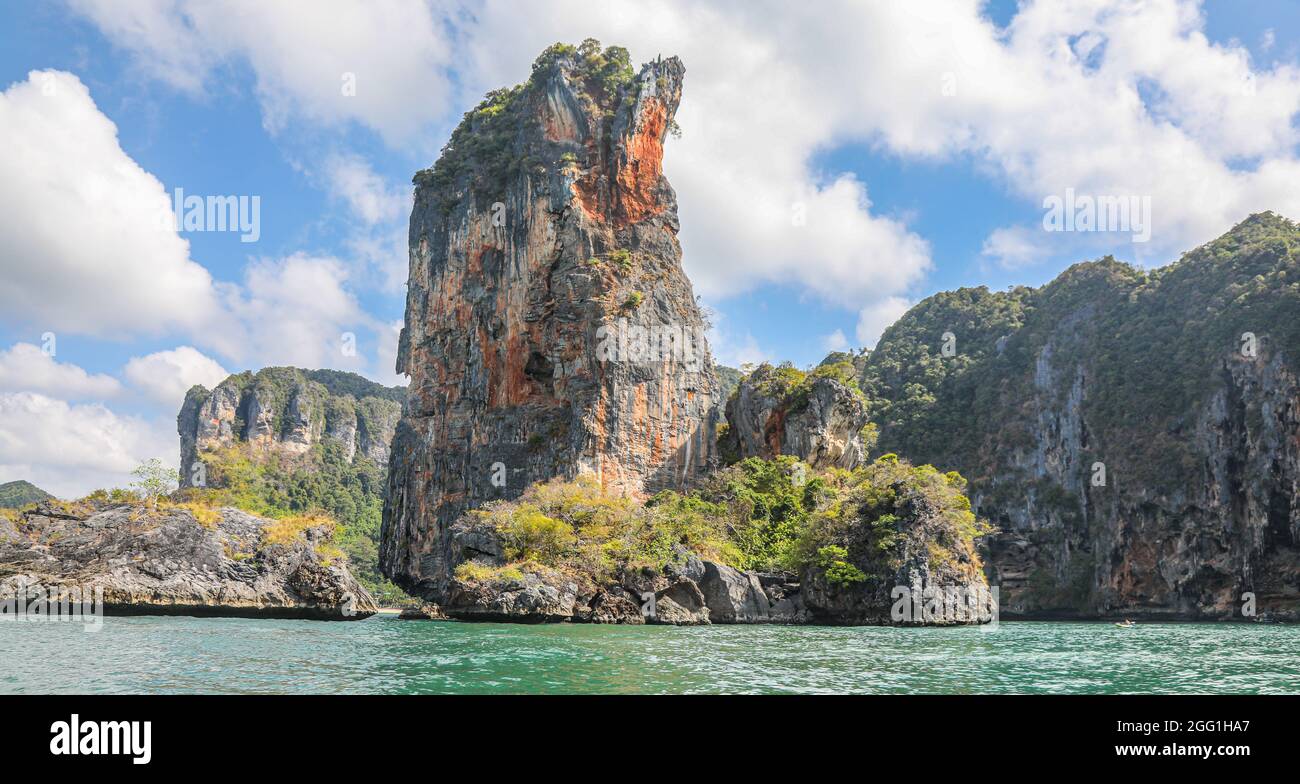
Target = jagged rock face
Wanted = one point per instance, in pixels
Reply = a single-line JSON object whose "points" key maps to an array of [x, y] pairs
{"points": [[530, 599], [539, 298], [8, 532], [287, 411], [696, 592], [822, 425], [1189, 548], [702, 592], [1140, 455], [940, 591], [164, 562]]}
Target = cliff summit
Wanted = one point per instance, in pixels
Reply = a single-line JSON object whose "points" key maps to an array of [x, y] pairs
{"points": [[550, 331]]}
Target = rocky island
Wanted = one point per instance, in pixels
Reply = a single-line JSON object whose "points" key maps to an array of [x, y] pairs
{"points": [[558, 460], [280, 485], [287, 411], [1117, 442], [1131, 437]]}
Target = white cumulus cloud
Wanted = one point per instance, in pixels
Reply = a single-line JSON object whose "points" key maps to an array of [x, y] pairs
{"points": [[81, 223], [873, 320], [374, 200], [70, 449], [1106, 97], [377, 233], [349, 60], [165, 376], [295, 310], [836, 341], [757, 106], [26, 368]]}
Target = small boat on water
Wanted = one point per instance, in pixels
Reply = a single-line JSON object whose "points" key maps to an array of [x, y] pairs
{"points": [[1126, 625]]}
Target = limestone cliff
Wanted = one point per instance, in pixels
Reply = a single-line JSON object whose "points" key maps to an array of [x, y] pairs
{"points": [[286, 411], [815, 418], [550, 330], [1135, 435]]}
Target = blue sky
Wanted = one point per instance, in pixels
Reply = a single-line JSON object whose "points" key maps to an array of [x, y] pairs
{"points": [[909, 189]]}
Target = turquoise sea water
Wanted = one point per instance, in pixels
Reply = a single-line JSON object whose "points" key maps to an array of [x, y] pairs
{"points": [[384, 655]]}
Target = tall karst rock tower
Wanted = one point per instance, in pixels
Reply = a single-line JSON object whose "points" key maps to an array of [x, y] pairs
{"points": [[550, 330]]}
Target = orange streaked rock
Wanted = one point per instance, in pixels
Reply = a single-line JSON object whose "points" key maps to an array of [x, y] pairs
{"points": [[504, 307]]}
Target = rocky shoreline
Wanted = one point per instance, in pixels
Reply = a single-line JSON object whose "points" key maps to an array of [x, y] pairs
{"points": [[700, 593], [915, 584], [164, 559]]}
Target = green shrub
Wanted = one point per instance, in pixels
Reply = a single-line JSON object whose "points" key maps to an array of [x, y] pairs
{"points": [[579, 527], [622, 257], [831, 559], [758, 514], [475, 572], [527, 534]]}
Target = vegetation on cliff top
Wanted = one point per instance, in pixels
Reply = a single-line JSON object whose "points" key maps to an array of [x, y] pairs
{"points": [[326, 391], [761, 515], [490, 144], [790, 388], [1147, 342]]}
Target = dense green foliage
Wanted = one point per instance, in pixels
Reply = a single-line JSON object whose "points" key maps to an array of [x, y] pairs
{"points": [[578, 527], [920, 398], [1148, 343], [832, 558], [769, 503], [790, 385], [339, 383], [602, 73], [764, 515], [15, 495]]}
